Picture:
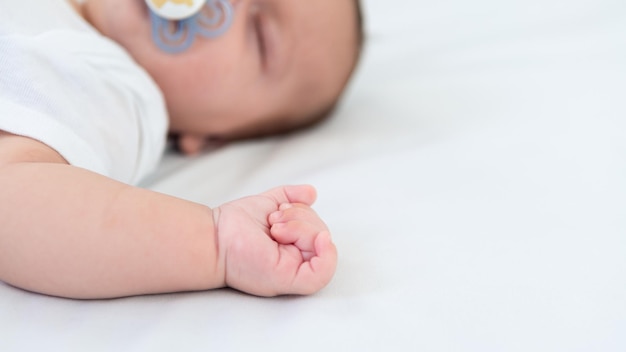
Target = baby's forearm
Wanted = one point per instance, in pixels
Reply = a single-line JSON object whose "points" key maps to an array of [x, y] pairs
{"points": [[68, 232]]}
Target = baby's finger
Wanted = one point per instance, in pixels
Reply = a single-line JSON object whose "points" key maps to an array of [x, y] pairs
{"points": [[292, 212], [315, 274], [304, 194], [302, 234]]}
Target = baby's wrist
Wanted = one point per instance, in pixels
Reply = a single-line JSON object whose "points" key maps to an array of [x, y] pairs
{"points": [[220, 251]]}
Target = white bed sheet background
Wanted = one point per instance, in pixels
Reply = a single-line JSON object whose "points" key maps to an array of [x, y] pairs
{"points": [[474, 180]]}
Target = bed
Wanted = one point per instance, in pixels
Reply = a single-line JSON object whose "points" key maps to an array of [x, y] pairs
{"points": [[474, 179]]}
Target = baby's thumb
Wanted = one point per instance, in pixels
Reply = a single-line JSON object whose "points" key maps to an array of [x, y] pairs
{"points": [[304, 194]]}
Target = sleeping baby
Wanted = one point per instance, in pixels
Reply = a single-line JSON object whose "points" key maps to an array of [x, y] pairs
{"points": [[89, 92]]}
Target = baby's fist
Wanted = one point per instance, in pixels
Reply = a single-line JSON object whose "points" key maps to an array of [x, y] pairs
{"points": [[275, 244]]}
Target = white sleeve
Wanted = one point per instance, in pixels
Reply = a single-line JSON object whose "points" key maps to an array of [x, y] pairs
{"points": [[85, 97]]}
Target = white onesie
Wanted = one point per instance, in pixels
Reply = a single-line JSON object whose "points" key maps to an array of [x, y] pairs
{"points": [[64, 84]]}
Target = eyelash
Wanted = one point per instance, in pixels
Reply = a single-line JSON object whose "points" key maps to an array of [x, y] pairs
{"points": [[258, 32]]}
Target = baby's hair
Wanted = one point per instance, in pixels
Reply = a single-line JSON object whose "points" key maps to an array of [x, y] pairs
{"points": [[360, 26]]}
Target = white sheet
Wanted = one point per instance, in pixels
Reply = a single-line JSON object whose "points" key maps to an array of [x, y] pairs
{"points": [[474, 180]]}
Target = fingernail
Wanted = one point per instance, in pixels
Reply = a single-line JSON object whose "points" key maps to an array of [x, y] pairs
{"points": [[276, 215]]}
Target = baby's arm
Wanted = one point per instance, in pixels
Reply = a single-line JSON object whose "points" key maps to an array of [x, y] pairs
{"points": [[69, 232], [72, 233]]}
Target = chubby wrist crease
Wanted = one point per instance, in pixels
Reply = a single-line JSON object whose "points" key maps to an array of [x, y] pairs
{"points": [[220, 256]]}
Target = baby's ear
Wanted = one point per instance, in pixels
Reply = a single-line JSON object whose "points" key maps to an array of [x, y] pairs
{"points": [[190, 144]]}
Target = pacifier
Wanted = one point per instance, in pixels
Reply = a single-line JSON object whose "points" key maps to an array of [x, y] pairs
{"points": [[176, 23]]}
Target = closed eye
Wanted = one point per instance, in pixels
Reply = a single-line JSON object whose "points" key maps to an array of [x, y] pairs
{"points": [[260, 38]]}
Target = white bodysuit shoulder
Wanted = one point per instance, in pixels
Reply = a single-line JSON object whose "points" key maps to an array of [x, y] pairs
{"points": [[64, 84]]}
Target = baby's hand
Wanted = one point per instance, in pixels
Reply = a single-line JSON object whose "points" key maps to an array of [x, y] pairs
{"points": [[274, 243]]}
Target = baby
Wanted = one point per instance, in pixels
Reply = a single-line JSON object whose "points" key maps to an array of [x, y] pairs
{"points": [[88, 94]]}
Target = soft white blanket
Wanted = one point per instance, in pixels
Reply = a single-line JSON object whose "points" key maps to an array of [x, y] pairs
{"points": [[474, 180]]}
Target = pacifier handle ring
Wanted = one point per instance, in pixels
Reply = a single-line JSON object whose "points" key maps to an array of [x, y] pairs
{"points": [[181, 29], [168, 41], [224, 16], [185, 31]]}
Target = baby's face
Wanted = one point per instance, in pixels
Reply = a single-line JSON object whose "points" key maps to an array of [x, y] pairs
{"points": [[280, 62]]}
